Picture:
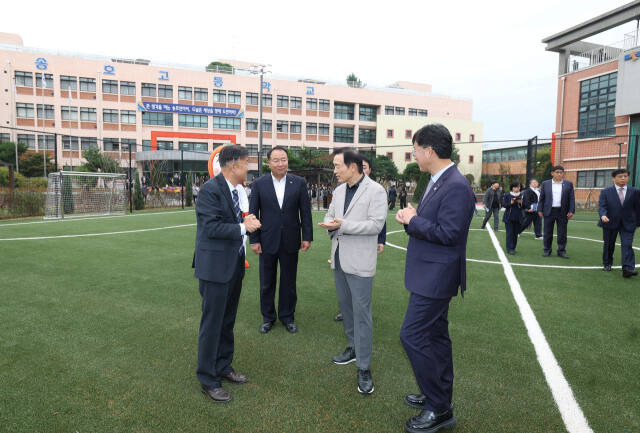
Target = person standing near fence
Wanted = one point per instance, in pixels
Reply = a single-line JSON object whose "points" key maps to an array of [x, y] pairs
{"points": [[557, 205], [512, 203], [492, 201]]}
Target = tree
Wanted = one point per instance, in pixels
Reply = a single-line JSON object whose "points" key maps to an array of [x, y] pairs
{"points": [[138, 198], [543, 164], [189, 192], [98, 161], [68, 204], [32, 165], [384, 168], [354, 81], [411, 171], [423, 181], [455, 156], [470, 178], [222, 67], [8, 151]]}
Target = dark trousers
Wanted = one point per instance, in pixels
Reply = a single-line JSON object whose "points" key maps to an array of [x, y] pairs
{"points": [[553, 218], [215, 340], [496, 219], [287, 298], [532, 218], [403, 202], [392, 204], [425, 337], [626, 239], [512, 229]]}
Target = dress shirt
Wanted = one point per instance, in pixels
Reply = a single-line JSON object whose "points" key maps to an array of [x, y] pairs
{"points": [[434, 179], [243, 230], [279, 186], [556, 190], [351, 191]]}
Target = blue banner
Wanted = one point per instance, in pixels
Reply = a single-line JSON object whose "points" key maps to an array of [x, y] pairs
{"points": [[190, 109]]}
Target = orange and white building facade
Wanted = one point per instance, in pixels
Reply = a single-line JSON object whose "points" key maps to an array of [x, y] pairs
{"points": [[91, 101]]}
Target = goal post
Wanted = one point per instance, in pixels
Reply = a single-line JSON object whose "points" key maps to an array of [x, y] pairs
{"points": [[73, 194]]}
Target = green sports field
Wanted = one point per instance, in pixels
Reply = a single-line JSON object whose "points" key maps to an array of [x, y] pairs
{"points": [[99, 334]]}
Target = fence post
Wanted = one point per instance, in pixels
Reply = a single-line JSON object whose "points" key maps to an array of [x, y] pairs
{"points": [[181, 175], [130, 182]]}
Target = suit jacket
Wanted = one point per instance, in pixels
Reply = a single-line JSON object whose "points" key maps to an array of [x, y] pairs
{"points": [[358, 233], [624, 215], [567, 199], [512, 211], [281, 227], [436, 254], [218, 235]]}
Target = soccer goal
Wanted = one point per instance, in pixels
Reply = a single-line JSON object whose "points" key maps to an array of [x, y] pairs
{"points": [[72, 194]]}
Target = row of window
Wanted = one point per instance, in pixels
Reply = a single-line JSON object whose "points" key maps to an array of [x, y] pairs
{"points": [[399, 111], [87, 114], [502, 155], [596, 116], [594, 179]]}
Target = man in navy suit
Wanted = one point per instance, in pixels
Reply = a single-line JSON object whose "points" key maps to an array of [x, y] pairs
{"points": [[219, 265], [556, 205], [435, 268], [617, 208], [281, 202]]}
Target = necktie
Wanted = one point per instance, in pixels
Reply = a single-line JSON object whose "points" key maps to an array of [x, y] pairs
{"points": [[621, 195], [426, 191], [236, 206]]}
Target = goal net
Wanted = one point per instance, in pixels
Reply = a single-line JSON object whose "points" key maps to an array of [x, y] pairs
{"points": [[73, 194]]}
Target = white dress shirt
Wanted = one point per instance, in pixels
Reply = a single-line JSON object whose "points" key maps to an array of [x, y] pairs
{"points": [[556, 190], [279, 186]]}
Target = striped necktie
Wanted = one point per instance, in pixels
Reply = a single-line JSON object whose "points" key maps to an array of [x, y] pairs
{"points": [[236, 206]]}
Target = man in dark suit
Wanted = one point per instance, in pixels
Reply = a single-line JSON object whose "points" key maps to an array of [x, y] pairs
{"points": [[530, 206], [557, 204], [435, 268], [617, 207], [219, 265], [281, 202]]}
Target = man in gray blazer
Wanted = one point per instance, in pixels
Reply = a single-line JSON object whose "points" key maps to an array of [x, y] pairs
{"points": [[355, 217]]}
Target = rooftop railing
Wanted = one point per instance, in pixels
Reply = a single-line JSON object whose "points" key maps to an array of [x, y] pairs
{"points": [[602, 54]]}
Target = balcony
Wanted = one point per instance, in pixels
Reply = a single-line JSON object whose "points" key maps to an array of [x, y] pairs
{"points": [[584, 55]]}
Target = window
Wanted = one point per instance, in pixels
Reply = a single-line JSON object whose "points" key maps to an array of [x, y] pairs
{"points": [[282, 126], [368, 113], [390, 155], [407, 133], [87, 114], [68, 82], [470, 159], [5, 136], [283, 102], [87, 143], [28, 139], [111, 144], [407, 156], [423, 113], [596, 116], [148, 89], [46, 142], [24, 79], [253, 149], [312, 104], [128, 142], [252, 98], [367, 136], [389, 133], [69, 143], [296, 102], [312, 129], [48, 81], [69, 113], [109, 116], [458, 136], [388, 110], [413, 112], [47, 113], [200, 94], [472, 137], [342, 135], [399, 111], [343, 111], [165, 145], [219, 96], [266, 125], [87, 85], [324, 105], [228, 123], [323, 129], [110, 86], [296, 127], [24, 110], [199, 147], [267, 100], [593, 178], [128, 117], [251, 124], [193, 121], [162, 119], [234, 97], [185, 93], [127, 88], [165, 91]]}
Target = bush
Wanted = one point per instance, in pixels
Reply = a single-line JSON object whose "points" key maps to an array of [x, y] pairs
{"points": [[423, 181], [189, 195], [4, 178], [27, 203], [67, 195]]}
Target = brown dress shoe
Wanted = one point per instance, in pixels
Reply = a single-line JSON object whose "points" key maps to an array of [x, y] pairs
{"points": [[236, 377], [219, 395]]}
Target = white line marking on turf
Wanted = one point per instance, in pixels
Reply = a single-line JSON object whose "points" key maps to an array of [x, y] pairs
{"points": [[37, 238], [93, 218], [569, 408]]}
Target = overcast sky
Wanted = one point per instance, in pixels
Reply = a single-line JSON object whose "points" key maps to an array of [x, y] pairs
{"points": [[490, 52]]}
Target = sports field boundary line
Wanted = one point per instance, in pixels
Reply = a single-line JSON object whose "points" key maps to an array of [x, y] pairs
{"points": [[570, 411], [85, 235], [95, 218]]}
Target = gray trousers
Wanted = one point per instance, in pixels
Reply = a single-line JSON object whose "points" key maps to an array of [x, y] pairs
{"points": [[496, 216], [354, 298]]}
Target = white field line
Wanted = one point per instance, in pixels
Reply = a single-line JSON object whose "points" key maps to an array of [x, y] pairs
{"points": [[569, 408], [93, 218], [84, 235]]}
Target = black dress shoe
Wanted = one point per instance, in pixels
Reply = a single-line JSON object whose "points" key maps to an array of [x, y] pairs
{"points": [[266, 327], [291, 327], [606, 268], [430, 422], [563, 255], [546, 254], [338, 317], [416, 401], [219, 395], [628, 274]]}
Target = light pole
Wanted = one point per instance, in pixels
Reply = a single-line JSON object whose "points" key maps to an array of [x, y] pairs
{"points": [[260, 69]]}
